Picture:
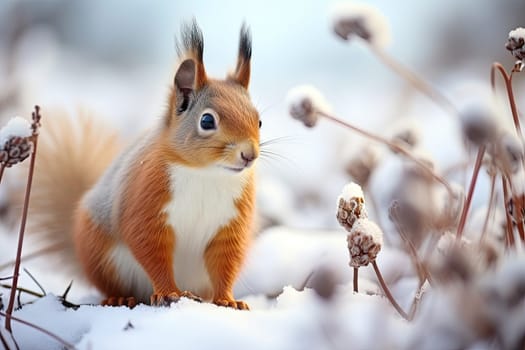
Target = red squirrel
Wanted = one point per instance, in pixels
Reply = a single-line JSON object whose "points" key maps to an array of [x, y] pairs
{"points": [[171, 216]]}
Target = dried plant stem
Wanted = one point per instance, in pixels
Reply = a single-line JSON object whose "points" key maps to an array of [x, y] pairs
{"points": [[507, 79], [3, 341], [472, 186], [415, 80], [510, 233], [489, 209], [356, 279], [416, 301], [393, 146], [389, 295], [63, 342], [16, 272], [24, 290], [2, 168]]}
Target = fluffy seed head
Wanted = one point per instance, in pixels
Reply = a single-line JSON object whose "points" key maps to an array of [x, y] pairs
{"points": [[351, 206], [362, 20], [364, 242], [478, 123], [304, 104], [516, 43], [509, 155]]}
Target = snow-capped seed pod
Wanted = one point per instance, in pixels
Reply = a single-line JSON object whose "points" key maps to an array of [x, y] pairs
{"points": [[362, 20], [16, 150], [516, 43], [351, 206], [364, 242], [15, 141], [304, 104], [478, 123]]}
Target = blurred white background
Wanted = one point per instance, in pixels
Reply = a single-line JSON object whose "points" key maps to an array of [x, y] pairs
{"points": [[116, 59]]}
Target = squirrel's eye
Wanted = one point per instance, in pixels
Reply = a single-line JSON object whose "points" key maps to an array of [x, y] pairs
{"points": [[208, 122], [260, 124]]}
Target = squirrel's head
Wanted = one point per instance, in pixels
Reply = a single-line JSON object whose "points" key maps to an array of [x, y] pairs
{"points": [[212, 123]]}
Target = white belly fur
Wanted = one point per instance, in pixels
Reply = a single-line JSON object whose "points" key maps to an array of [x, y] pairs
{"points": [[203, 201]]}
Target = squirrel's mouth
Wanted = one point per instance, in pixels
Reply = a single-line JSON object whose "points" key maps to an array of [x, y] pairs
{"points": [[234, 169]]}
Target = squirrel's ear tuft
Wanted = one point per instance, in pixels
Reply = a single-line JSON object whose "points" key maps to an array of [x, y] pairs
{"points": [[192, 47], [242, 71], [184, 84]]}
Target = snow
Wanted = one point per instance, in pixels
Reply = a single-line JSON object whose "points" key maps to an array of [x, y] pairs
{"points": [[351, 190], [518, 33], [15, 127], [369, 228]]}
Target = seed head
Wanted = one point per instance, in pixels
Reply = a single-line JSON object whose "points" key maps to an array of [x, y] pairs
{"points": [[351, 206], [304, 103], [516, 43], [362, 20], [478, 123], [15, 141], [364, 242]]}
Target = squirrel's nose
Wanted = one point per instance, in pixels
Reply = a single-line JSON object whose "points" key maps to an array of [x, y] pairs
{"points": [[248, 156]]}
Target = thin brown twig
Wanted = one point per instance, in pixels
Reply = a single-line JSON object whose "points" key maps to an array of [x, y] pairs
{"points": [[510, 233], [63, 342], [22, 289], [2, 168], [472, 186], [489, 209], [10, 306], [496, 66], [417, 82], [356, 280], [3, 341], [392, 145], [389, 295]]}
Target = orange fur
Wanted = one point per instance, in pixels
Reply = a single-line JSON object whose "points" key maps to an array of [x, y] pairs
{"points": [[142, 223], [226, 252], [92, 246]]}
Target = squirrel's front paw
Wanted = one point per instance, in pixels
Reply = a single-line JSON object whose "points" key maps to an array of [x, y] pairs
{"points": [[235, 304], [159, 299]]}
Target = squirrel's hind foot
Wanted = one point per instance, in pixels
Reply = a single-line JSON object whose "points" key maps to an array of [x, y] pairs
{"points": [[235, 304], [130, 302]]}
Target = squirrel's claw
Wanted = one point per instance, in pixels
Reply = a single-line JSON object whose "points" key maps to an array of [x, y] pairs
{"points": [[130, 302]]}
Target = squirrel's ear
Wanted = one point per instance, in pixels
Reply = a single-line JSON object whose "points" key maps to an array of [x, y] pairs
{"points": [[242, 71], [185, 83]]}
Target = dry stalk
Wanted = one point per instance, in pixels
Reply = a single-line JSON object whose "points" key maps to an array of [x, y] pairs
{"points": [[10, 306], [356, 279], [394, 146], [387, 292], [472, 186], [507, 79]]}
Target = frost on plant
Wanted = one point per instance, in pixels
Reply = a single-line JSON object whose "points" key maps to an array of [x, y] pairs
{"points": [[364, 242], [516, 43], [15, 141], [351, 206], [362, 20]]}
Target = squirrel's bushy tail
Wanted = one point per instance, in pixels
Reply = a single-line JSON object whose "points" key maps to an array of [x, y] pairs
{"points": [[72, 154]]}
